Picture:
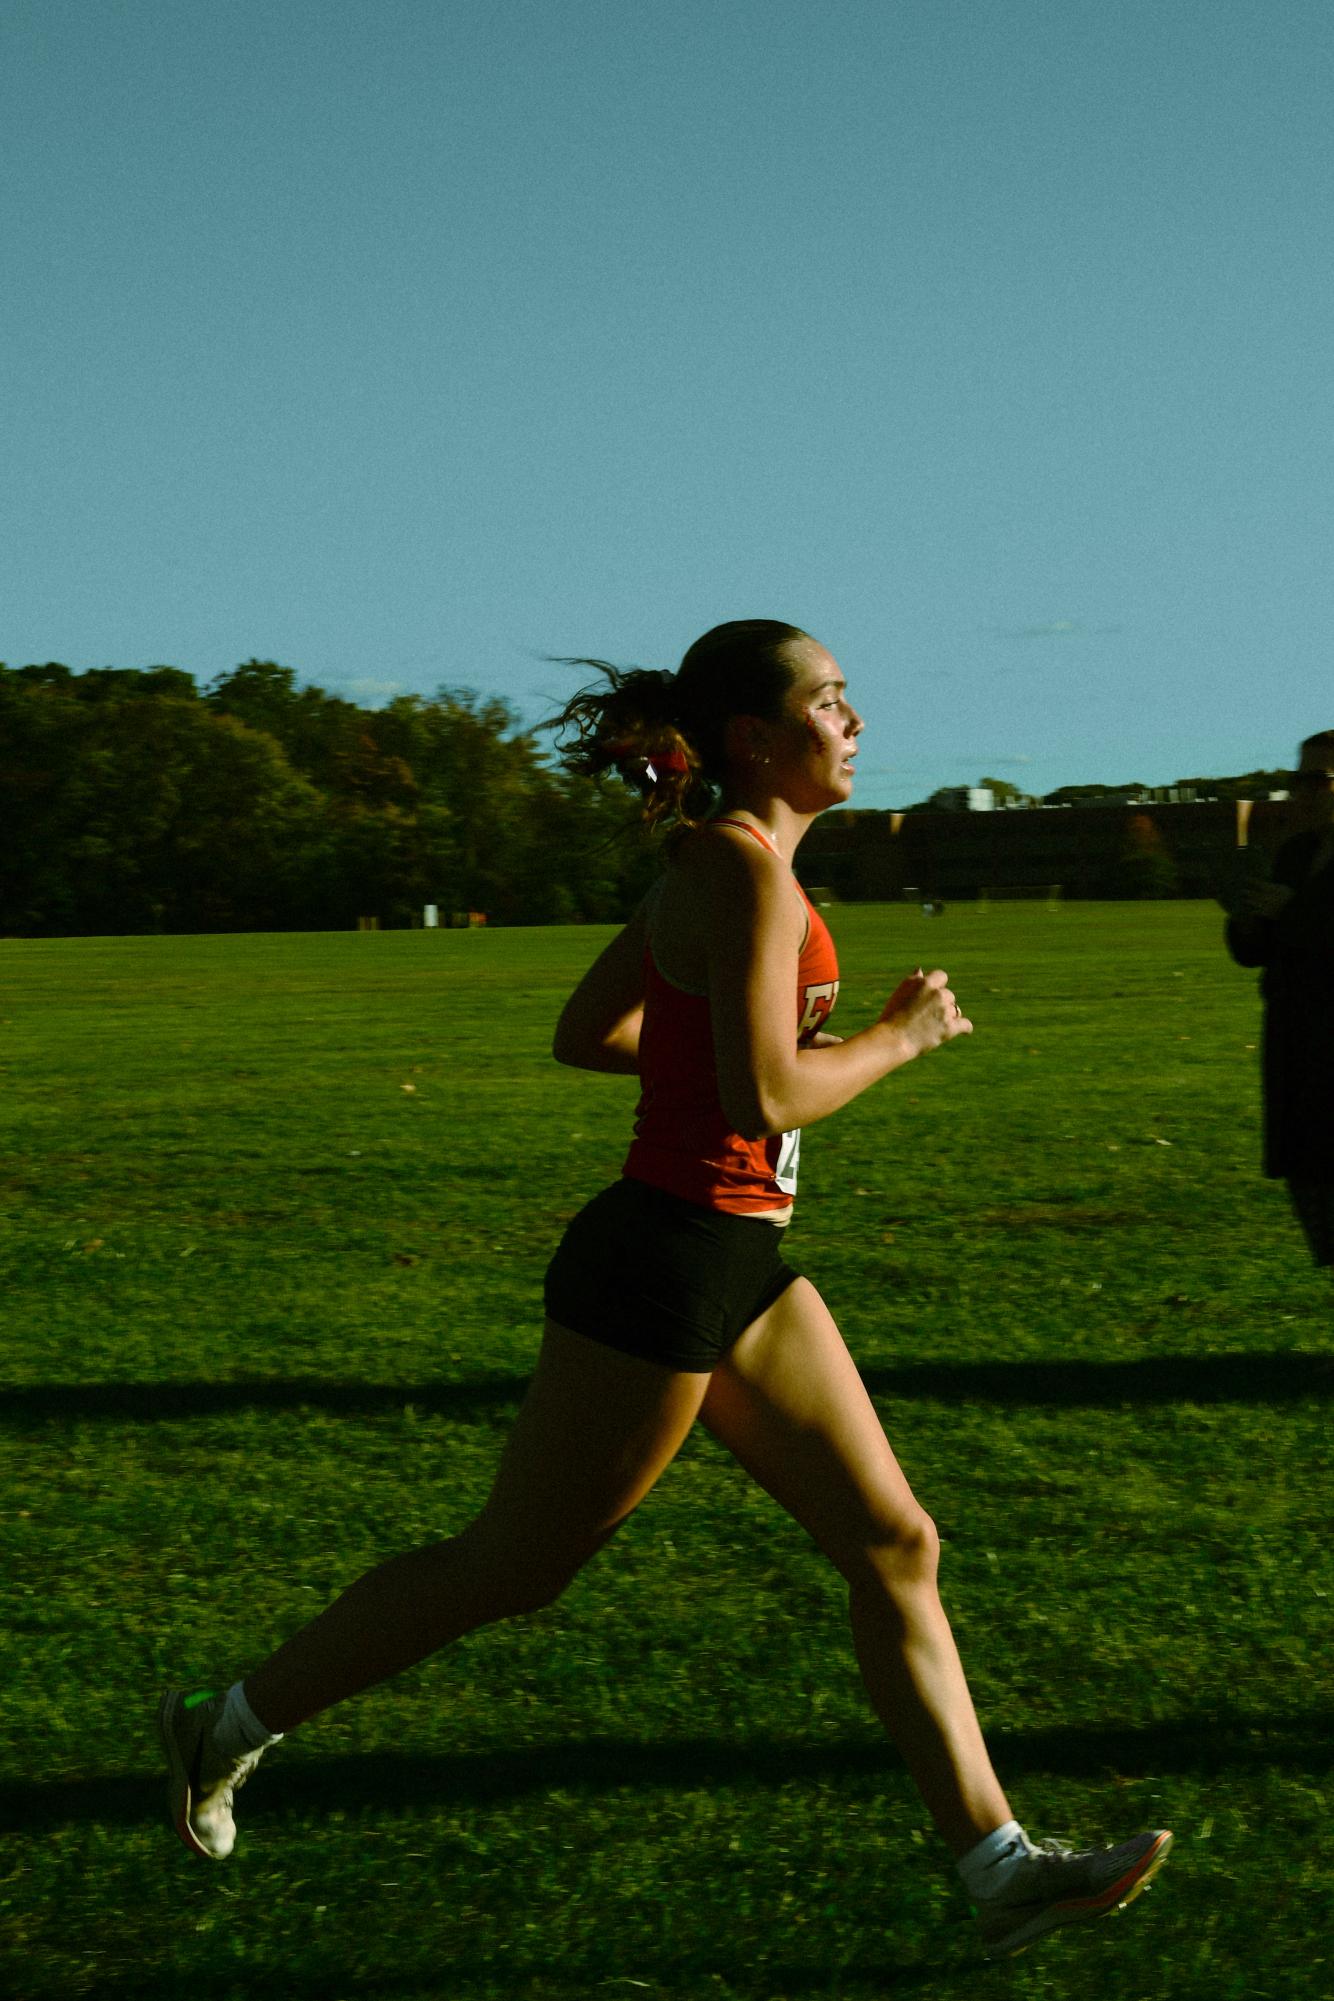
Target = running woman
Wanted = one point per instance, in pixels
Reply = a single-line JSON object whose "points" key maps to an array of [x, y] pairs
{"points": [[669, 1301]]}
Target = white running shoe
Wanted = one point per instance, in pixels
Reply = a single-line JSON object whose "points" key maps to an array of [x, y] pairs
{"points": [[1058, 1885], [200, 1781]]}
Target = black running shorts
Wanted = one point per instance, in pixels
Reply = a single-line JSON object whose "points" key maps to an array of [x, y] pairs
{"points": [[645, 1272]]}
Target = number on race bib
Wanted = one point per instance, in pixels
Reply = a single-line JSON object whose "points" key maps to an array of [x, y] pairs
{"points": [[789, 1153]]}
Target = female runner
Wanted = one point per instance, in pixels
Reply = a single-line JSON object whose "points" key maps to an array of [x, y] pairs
{"points": [[669, 1301]]}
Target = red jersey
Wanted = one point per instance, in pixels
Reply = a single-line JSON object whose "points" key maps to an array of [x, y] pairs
{"points": [[683, 1142]]}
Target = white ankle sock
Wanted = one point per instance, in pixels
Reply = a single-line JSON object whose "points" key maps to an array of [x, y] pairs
{"points": [[986, 1868], [238, 1730]]}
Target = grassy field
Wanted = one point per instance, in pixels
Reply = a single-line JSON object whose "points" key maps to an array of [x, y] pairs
{"points": [[273, 1218]]}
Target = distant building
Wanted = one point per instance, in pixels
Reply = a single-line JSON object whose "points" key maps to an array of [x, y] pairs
{"points": [[963, 799], [1140, 795], [1095, 800]]}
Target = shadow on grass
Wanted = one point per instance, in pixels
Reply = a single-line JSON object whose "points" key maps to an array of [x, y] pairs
{"points": [[1154, 1379], [565, 1979], [404, 1782], [1157, 1379], [39, 1403]]}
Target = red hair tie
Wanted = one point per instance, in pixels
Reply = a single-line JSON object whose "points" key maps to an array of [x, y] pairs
{"points": [[662, 764]]}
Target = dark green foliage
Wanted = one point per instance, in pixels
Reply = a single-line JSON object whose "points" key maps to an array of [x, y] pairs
{"points": [[131, 803], [131, 807]]}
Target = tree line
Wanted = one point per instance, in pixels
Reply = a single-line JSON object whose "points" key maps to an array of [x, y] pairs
{"points": [[132, 800]]}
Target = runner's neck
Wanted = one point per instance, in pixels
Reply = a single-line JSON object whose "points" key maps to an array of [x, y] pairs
{"points": [[753, 827]]}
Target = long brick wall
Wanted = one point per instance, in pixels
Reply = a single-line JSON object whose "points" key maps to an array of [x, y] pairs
{"points": [[1089, 851]]}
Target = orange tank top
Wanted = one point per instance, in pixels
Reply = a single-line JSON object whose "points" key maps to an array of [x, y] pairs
{"points": [[683, 1142]]}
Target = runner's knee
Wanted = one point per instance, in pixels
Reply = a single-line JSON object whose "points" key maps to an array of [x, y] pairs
{"points": [[898, 1553], [533, 1584], [524, 1575]]}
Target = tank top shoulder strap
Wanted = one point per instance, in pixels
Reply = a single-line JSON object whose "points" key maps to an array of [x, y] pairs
{"points": [[744, 827]]}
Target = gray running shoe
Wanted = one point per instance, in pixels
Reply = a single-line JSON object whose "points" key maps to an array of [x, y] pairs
{"points": [[1057, 1885], [200, 1781]]}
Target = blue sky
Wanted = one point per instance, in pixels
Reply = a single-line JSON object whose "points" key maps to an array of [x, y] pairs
{"points": [[407, 342]]}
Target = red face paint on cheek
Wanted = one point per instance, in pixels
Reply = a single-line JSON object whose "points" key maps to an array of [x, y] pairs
{"points": [[814, 731]]}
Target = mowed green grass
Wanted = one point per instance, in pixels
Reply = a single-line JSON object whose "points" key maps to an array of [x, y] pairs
{"points": [[273, 1218]]}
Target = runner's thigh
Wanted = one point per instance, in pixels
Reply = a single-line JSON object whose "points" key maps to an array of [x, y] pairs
{"points": [[788, 1402], [594, 1431]]}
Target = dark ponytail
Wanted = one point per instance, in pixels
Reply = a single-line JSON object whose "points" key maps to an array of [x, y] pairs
{"points": [[630, 726], [666, 733]]}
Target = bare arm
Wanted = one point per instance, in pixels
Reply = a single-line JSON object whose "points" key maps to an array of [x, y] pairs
{"points": [[767, 1084], [599, 1024]]}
